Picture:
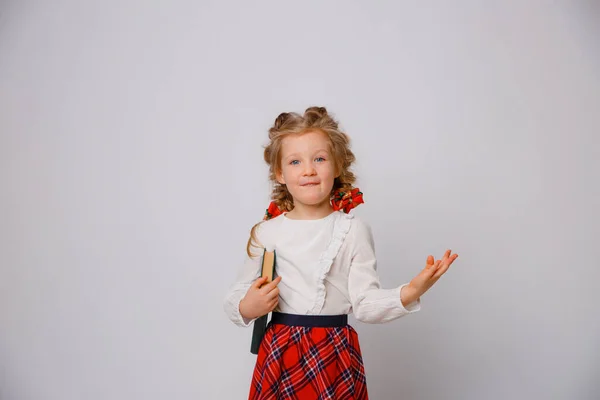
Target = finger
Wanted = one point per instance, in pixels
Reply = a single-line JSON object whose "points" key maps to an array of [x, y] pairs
{"points": [[429, 263], [446, 255], [271, 285], [430, 269], [452, 258], [441, 271], [435, 267], [273, 294], [273, 302], [259, 282], [445, 266]]}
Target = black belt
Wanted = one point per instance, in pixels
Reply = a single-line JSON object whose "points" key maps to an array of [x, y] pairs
{"points": [[310, 321]]}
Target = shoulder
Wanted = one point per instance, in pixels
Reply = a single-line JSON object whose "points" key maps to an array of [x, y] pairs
{"points": [[358, 237], [360, 225], [266, 231], [359, 230], [271, 224]]}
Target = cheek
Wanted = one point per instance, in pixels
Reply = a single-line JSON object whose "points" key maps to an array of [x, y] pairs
{"points": [[287, 173], [327, 176], [327, 171]]}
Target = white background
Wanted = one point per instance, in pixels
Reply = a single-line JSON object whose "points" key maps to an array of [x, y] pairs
{"points": [[131, 170]]}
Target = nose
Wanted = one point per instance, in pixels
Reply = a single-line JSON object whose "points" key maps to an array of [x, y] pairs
{"points": [[309, 170]]}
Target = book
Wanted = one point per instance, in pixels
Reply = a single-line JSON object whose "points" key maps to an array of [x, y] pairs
{"points": [[260, 324]]}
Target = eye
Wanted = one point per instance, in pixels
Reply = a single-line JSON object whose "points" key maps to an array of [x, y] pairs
{"points": [[294, 162], [320, 159]]}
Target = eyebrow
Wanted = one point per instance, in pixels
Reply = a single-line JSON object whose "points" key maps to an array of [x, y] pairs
{"points": [[296, 154]]}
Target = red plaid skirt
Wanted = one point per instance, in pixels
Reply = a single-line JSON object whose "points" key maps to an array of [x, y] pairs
{"points": [[304, 363]]}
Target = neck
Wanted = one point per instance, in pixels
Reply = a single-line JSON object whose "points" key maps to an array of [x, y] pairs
{"points": [[303, 211]]}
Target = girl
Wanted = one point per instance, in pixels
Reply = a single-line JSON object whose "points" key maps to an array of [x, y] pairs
{"points": [[326, 268]]}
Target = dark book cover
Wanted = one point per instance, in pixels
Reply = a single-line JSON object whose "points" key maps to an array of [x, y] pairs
{"points": [[260, 324]]}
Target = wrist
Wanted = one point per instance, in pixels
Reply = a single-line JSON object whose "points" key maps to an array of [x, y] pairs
{"points": [[242, 309], [408, 295]]}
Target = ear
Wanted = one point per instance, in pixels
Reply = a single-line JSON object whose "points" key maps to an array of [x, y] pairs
{"points": [[279, 177]]}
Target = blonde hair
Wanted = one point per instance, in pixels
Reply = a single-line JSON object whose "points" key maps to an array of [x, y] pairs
{"points": [[291, 123]]}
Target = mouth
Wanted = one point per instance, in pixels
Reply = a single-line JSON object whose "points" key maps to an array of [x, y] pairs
{"points": [[310, 184]]}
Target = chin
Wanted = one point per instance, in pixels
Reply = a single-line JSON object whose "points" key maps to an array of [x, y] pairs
{"points": [[311, 199], [314, 202]]}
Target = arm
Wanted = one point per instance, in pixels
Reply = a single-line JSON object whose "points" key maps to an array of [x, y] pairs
{"points": [[251, 296], [371, 303], [247, 274]]}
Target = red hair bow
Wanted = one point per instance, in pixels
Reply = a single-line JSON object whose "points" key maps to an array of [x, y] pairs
{"points": [[273, 211], [347, 200]]}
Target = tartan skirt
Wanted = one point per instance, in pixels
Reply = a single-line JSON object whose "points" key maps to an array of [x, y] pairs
{"points": [[309, 357]]}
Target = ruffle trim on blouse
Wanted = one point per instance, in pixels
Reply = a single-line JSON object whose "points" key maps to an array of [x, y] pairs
{"points": [[340, 229]]}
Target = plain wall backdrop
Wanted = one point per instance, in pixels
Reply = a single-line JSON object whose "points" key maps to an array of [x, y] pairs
{"points": [[131, 170]]}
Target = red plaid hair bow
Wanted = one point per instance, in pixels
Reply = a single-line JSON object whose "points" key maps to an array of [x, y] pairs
{"points": [[347, 200], [273, 211], [344, 201]]}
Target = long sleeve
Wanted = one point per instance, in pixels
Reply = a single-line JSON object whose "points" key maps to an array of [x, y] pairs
{"points": [[249, 271], [370, 302]]}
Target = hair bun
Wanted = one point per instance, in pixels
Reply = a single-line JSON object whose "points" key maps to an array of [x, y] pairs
{"points": [[314, 114], [280, 120], [283, 122], [318, 117]]}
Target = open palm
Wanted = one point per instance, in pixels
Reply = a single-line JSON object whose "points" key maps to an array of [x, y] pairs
{"points": [[432, 272]]}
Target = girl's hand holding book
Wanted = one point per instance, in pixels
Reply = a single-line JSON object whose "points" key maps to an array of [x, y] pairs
{"points": [[261, 298]]}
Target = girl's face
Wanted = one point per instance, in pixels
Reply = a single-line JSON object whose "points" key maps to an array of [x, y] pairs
{"points": [[307, 169]]}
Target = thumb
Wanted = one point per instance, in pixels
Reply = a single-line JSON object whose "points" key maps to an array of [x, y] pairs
{"points": [[429, 263]]}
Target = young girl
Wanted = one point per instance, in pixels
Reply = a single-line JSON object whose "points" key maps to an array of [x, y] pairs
{"points": [[325, 266]]}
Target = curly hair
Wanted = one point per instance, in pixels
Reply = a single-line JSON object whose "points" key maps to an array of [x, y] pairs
{"points": [[291, 123]]}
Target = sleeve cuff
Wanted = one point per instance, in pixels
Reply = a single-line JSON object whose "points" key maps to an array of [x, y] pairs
{"points": [[243, 321], [411, 307], [232, 308]]}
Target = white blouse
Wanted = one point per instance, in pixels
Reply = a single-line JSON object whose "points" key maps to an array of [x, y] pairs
{"points": [[327, 267]]}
